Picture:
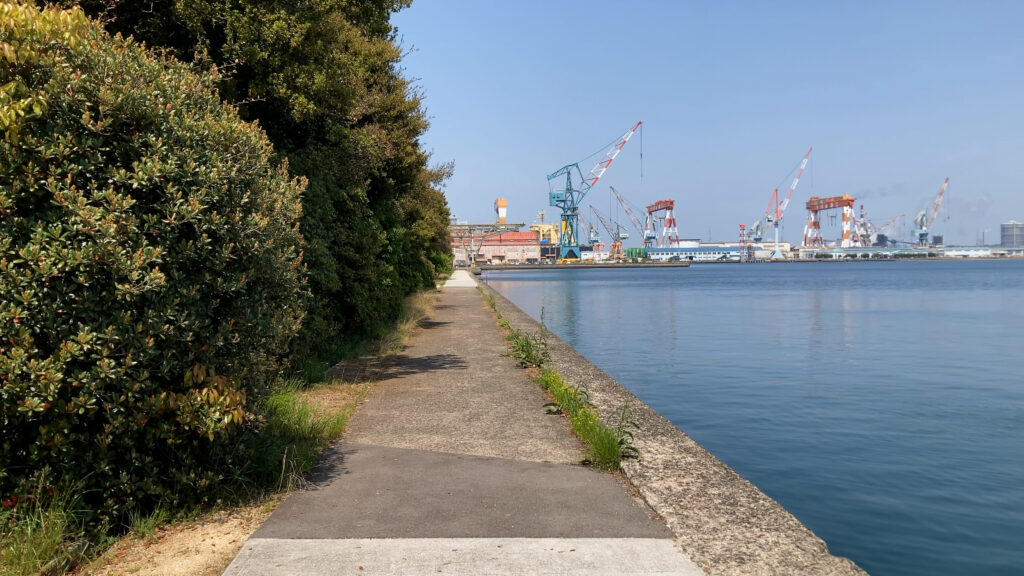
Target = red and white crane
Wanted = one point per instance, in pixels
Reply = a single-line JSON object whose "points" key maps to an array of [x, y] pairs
{"points": [[569, 196], [773, 214], [924, 221], [669, 231]]}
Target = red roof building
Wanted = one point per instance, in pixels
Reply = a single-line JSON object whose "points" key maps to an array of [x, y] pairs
{"points": [[505, 247]]}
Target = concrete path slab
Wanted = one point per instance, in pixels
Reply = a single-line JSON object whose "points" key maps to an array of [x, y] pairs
{"points": [[460, 279], [452, 466], [454, 389], [462, 557], [371, 491]]}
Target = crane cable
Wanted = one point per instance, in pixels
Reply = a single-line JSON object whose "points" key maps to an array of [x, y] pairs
{"points": [[641, 154]]}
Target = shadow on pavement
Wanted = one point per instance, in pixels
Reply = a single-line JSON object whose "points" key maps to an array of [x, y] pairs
{"points": [[403, 365], [431, 324], [330, 466]]}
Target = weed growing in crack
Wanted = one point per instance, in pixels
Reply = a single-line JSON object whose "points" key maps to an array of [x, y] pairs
{"points": [[624, 433], [606, 447], [530, 350]]}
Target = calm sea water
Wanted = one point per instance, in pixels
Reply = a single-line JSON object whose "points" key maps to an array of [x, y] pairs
{"points": [[881, 403]]}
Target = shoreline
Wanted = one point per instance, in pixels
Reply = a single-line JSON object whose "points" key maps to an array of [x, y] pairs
{"points": [[719, 519], [489, 267]]}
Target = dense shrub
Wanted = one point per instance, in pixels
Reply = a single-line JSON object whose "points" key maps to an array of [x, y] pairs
{"points": [[150, 267], [324, 79]]}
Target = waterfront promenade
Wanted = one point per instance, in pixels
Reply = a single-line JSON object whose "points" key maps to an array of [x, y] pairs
{"points": [[452, 466]]}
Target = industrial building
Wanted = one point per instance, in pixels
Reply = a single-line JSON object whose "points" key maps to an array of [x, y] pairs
{"points": [[694, 251], [1011, 235], [495, 248]]}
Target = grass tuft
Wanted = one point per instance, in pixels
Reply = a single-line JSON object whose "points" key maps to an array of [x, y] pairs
{"points": [[606, 447], [529, 350], [42, 537], [145, 525], [294, 434]]}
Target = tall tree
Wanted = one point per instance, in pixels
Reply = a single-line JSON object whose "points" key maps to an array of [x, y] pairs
{"points": [[322, 77]]}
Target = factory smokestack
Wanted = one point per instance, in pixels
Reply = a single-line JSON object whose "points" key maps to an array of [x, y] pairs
{"points": [[501, 210]]}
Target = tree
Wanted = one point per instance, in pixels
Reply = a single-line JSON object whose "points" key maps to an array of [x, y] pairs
{"points": [[150, 272], [323, 79]]}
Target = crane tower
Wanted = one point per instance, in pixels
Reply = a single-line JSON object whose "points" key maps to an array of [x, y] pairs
{"points": [[568, 199], [669, 232], [816, 205]]}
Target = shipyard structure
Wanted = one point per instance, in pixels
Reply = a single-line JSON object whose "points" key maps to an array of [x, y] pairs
{"points": [[834, 229]]}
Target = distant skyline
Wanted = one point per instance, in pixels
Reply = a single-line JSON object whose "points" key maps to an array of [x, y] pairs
{"points": [[894, 97]]}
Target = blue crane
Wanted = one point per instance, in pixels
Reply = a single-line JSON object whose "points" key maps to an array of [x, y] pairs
{"points": [[568, 199]]}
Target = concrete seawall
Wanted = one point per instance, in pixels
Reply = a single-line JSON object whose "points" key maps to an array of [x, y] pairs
{"points": [[719, 519]]}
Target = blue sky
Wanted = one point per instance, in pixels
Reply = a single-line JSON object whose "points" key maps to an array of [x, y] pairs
{"points": [[894, 97]]}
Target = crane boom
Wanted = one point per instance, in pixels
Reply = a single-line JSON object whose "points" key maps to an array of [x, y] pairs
{"points": [[570, 197], [938, 202], [607, 226], [925, 219], [629, 213], [598, 170], [616, 233], [775, 215], [888, 224]]}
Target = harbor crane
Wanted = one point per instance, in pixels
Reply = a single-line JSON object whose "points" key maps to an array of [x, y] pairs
{"points": [[815, 206], [593, 235], [773, 214], [756, 231], [669, 231], [617, 232], [629, 213], [568, 199], [926, 218]]}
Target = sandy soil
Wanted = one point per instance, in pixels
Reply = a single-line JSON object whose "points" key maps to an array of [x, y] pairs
{"points": [[201, 547]]}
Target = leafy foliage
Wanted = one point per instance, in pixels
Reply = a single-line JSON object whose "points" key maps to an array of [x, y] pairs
{"points": [[323, 79], [150, 269]]}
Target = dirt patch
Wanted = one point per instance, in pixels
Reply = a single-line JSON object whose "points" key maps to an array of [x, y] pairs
{"points": [[201, 547]]}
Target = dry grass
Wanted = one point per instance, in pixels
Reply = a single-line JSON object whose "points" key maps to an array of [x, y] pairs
{"points": [[336, 398], [418, 308]]}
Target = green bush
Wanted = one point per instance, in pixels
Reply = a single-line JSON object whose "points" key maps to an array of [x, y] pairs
{"points": [[150, 267]]}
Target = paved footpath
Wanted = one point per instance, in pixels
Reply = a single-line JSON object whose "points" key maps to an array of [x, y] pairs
{"points": [[451, 466]]}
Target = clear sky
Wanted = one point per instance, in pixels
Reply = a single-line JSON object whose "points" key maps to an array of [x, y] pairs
{"points": [[894, 96]]}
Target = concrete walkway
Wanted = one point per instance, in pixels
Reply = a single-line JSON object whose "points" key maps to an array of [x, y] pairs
{"points": [[451, 466]]}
